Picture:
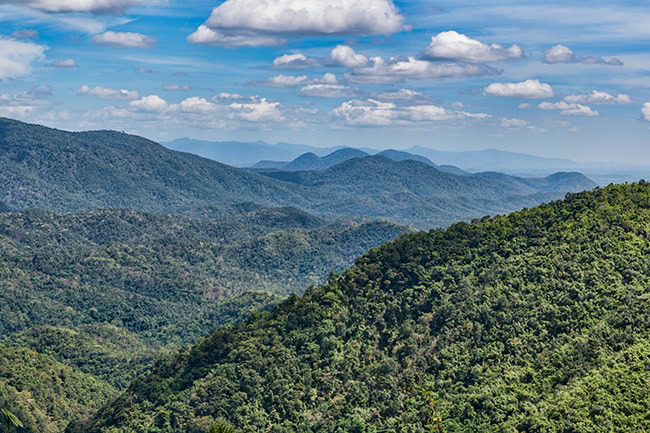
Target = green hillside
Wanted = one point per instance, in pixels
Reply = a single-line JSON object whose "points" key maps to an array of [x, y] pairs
{"points": [[165, 277], [533, 322]]}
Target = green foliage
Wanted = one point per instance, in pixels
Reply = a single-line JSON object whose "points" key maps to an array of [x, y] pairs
{"points": [[221, 426], [10, 420], [534, 322], [166, 278]]}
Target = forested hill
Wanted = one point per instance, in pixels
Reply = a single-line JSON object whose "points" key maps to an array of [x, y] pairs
{"points": [[408, 190], [56, 170], [533, 322]]}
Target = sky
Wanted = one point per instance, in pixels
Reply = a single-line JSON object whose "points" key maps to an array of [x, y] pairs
{"points": [[559, 79]]}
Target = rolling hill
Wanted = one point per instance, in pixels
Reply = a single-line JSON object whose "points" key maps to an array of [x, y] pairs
{"points": [[533, 322], [411, 191]]}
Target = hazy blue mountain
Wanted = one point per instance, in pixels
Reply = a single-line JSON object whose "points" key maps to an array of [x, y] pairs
{"points": [[311, 161], [245, 154], [521, 164], [4, 207]]}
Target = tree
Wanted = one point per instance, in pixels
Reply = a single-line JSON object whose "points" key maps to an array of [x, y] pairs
{"points": [[10, 420]]}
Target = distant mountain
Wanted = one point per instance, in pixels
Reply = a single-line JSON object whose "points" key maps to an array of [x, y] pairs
{"points": [[533, 322], [311, 161], [521, 164], [376, 186], [4, 207], [244, 154], [55, 170]]}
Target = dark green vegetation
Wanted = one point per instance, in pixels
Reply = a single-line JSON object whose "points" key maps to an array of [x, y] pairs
{"points": [[164, 277], [60, 171], [411, 191], [533, 322]]}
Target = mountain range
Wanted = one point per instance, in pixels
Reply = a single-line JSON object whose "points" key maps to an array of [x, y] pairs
{"points": [[63, 171], [263, 155], [311, 161]]}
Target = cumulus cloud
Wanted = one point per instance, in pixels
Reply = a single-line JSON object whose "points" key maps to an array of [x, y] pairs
{"points": [[328, 91], [124, 40], [93, 6], [22, 104], [513, 123], [398, 69], [296, 61], [16, 57], [149, 104], [65, 63], [525, 106], [107, 93], [176, 87], [600, 98], [564, 54], [645, 112], [343, 55], [452, 45], [568, 109], [524, 89], [25, 34], [253, 23], [371, 112], [256, 111]]}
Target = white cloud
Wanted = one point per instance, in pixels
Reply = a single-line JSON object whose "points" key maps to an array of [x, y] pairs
{"points": [[525, 106], [66, 63], [564, 54], [254, 22], [568, 109], [524, 89], [513, 123], [196, 105], [400, 95], [371, 112], [107, 93], [24, 103], [204, 35], [328, 91], [452, 45], [149, 104], [16, 57], [602, 98], [295, 61], [94, 6], [257, 111], [282, 81], [176, 87], [124, 40], [397, 69], [645, 112], [227, 96], [343, 55]]}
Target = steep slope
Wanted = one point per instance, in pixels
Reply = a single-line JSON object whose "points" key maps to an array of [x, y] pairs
{"points": [[165, 278], [397, 155], [423, 195], [537, 322], [56, 170]]}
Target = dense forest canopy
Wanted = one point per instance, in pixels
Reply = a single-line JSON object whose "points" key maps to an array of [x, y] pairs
{"points": [[532, 322]]}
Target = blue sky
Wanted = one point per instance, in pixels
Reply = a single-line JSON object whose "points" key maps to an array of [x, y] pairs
{"points": [[565, 79]]}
